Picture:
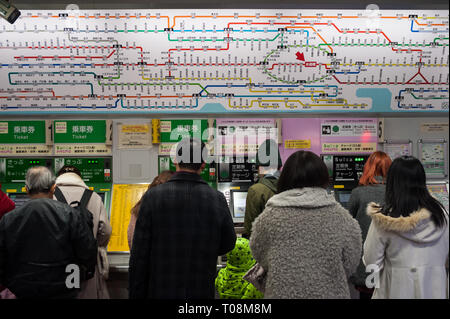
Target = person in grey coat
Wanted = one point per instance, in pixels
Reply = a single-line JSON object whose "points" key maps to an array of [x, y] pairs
{"points": [[407, 245], [371, 189], [307, 243]]}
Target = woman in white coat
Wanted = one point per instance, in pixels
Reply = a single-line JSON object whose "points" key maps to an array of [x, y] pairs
{"points": [[72, 186], [407, 246]]}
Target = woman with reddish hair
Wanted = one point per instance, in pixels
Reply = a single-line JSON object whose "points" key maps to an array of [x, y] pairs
{"points": [[371, 189]]}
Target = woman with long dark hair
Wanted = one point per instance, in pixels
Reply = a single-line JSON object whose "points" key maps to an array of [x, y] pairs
{"points": [[307, 243], [407, 244], [371, 189]]}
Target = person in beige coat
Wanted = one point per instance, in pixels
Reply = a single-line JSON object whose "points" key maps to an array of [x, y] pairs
{"points": [[407, 245], [71, 184]]}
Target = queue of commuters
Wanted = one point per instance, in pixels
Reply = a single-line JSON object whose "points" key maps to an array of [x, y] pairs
{"points": [[392, 242]]}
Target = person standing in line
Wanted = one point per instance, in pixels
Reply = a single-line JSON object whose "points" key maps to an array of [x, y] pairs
{"points": [[268, 161], [182, 228], [306, 242], [72, 186], [371, 189], [43, 239], [229, 282], [158, 180], [407, 244]]}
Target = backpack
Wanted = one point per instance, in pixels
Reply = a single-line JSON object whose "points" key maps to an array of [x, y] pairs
{"points": [[81, 207]]}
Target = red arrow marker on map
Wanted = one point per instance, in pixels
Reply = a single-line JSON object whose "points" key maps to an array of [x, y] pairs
{"points": [[300, 56]]}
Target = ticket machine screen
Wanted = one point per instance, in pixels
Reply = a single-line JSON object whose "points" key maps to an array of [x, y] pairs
{"points": [[239, 199], [19, 199]]}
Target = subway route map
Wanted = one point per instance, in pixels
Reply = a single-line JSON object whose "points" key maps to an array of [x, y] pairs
{"points": [[222, 61]]}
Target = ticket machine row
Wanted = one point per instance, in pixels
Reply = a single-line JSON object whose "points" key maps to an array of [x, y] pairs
{"points": [[233, 178], [96, 173]]}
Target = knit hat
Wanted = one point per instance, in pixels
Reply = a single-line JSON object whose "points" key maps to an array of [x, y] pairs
{"points": [[264, 156]]}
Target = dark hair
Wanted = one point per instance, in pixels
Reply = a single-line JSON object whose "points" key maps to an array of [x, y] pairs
{"points": [[406, 191], [158, 180], [303, 169], [190, 153], [69, 169]]}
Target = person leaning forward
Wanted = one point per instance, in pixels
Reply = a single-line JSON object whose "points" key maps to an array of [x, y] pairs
{"points": [[41, 240], [183, 226]]}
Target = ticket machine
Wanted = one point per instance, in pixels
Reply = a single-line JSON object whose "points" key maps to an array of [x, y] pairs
{"points": [[95, 172], [235, 176], [12, 174]]}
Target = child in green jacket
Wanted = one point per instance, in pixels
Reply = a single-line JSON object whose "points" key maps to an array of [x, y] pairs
{"points": [[229, 281]]}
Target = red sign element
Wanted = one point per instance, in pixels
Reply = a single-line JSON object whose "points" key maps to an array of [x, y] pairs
{"points": [[310, 64], [300, 56]]}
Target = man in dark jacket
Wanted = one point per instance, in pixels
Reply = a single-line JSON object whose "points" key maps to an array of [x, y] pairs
{"points": [[183, 226], [269, 162], [39, 240]]}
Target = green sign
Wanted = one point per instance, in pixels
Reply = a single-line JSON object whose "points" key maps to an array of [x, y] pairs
{"points": [[93, 170], [80, 131], [22, 132], [208, 174], [173, 131], [13, 170]]}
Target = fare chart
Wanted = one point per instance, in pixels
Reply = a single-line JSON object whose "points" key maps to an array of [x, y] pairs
{"points": [[207, 61]]}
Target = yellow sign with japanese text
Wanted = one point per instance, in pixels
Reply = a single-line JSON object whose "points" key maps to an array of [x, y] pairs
{"points": [[297, 144], [125, 196]]}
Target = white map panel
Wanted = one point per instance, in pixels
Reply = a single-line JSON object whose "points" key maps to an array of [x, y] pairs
{"points": [[206, 61]]}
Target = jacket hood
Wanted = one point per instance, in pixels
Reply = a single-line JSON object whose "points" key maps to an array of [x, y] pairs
{"points": [[240, 259], [271, 182], [70, 179], [417, 227], [307, 197]]}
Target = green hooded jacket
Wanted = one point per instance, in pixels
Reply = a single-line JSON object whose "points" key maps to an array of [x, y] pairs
{"points": [[229, 281], [257, 197]]}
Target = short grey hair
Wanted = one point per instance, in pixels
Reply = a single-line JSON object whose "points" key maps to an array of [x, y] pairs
{"points": [[39, 179]]}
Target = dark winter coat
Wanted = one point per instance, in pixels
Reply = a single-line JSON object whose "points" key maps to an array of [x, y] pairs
{"points": [[183, 226], [357, 205], [37, 242]]}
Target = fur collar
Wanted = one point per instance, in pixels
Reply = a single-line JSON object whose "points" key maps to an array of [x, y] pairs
{"points": [[399, 224]]}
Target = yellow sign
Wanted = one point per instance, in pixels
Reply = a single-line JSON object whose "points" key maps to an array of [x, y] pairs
{"points": [[156, 135], [349, 147], [297, 144], [125, 196], [135, 128]]}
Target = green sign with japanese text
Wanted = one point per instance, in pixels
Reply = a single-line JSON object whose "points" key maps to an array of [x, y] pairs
{"points": [[79, 131], [22, 132], [173, 131]]}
